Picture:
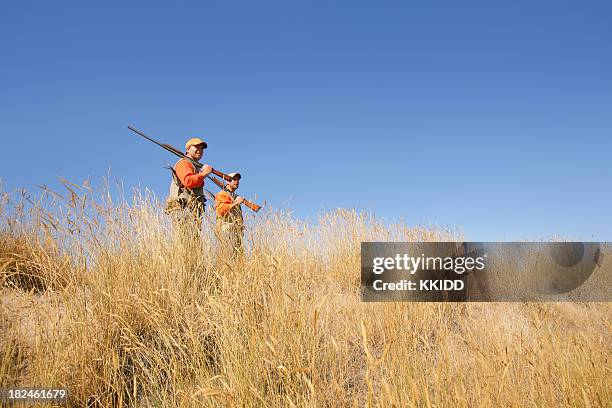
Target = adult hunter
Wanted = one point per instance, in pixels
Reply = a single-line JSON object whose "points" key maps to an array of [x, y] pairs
{"points": [[186, 202]]}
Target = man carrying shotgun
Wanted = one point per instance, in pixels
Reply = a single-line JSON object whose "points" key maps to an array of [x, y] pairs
{"points": [[230, 224], [186, 202]]}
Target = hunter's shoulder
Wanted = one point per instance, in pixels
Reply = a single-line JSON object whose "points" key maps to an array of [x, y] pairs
{"points": [[182, 162]]}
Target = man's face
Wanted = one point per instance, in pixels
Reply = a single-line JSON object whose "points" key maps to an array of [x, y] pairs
{"points": [[233, 185], [195, 151]]}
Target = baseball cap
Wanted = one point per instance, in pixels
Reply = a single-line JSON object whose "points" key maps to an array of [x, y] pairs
{"points": [[235, 175], [194, 141]]}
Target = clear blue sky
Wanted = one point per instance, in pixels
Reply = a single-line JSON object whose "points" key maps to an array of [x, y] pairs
{"points": [[492, 116]]}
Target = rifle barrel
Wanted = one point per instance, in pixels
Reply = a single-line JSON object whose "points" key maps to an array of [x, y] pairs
{"points": [[169, 148]]}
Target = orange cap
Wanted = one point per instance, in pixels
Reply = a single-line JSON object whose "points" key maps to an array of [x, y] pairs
{"points": [[194, 141]]}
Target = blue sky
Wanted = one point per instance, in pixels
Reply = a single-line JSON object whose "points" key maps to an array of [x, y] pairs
{"points": [[493, 116]]}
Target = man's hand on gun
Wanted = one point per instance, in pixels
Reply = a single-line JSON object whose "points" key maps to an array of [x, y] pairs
{"points": [[238, 200], [206, 170]]}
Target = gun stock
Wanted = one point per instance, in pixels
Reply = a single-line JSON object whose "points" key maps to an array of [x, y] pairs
{"points": [[252, 206]]}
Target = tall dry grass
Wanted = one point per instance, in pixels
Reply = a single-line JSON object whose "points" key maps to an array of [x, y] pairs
{"points": [[101, 296]]}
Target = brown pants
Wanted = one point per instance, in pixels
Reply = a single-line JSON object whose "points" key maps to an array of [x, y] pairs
{"points": [[187, 224]]}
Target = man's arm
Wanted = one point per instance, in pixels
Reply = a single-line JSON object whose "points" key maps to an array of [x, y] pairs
{"points": [[189, 179], [224, 202]]}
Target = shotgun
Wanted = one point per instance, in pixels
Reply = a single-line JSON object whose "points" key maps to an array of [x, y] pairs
{"points": [[180, 154], [249, 204], [198, 165]]}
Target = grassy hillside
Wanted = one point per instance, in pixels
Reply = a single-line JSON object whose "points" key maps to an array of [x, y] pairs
{"points": [[99, 295]]}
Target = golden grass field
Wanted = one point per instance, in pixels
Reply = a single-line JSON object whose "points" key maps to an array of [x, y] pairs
{"points": [[100, 296]]}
